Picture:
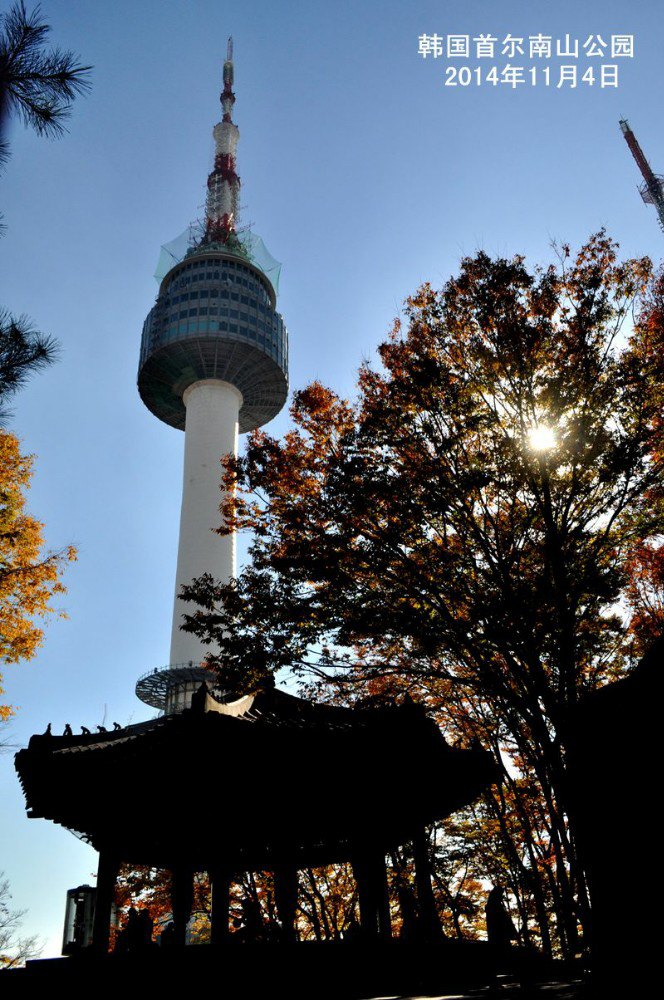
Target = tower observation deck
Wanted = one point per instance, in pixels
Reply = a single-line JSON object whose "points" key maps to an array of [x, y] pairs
{"points": [[214, 363]]}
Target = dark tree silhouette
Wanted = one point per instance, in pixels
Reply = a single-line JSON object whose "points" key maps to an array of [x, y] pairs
{"points": [[15, 949], [37, 84], [23, 351]]}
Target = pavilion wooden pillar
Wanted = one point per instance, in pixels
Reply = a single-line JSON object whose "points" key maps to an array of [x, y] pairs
{"points": [[371, 878], [285, 895], [107, 873], [426, 901], [182, 900], [220, 878]]}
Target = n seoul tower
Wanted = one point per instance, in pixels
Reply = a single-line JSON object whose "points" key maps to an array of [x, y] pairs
{"points": [[214, 363]]}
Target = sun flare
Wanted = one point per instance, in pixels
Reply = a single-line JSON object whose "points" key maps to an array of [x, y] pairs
{"points": [[541, 438]]}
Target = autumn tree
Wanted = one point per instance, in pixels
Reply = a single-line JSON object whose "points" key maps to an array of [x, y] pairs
{"points": [[645, 594], [466, 526], [328, 903], [150, 888], [38, 85], [645, 591], [29, 576]]}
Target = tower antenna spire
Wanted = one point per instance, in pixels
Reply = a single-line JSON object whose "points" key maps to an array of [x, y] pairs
{"points": [[223, 194], [652, 189]]}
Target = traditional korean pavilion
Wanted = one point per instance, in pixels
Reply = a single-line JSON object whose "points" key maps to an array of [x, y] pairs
{"points": [[269, 782]]}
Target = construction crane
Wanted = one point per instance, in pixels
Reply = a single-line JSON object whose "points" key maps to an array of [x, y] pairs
{"points": [[652, 190]]}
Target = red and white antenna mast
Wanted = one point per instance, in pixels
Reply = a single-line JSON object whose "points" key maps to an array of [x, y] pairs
{"points": [[652, 190], [223, 196]]}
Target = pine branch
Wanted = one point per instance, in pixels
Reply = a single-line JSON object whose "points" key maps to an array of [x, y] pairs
{"points": [[39, 86], [23, 351]]}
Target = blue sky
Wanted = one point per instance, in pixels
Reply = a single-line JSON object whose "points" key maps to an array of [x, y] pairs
{"points": [[364, 174]]}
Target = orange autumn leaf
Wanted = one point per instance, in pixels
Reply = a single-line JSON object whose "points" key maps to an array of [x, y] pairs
{"points": [[30, 576]]}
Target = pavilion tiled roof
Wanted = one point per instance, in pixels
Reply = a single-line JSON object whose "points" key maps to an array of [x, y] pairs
{"points": [[254, 778]]}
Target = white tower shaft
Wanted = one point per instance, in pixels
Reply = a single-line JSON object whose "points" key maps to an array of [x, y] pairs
{"points": [[211, 430], [229, 329]]}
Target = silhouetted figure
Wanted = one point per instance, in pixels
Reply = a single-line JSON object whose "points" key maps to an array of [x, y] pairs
{"points": [[129, 937], [499, 927], [120, 946], [408, 907], [252, 921], [47, 731], [144, 928], [116, 726], [102, 729], [68, 730], [85, 731], [167, 939], [199, 698], [135, 930]]}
